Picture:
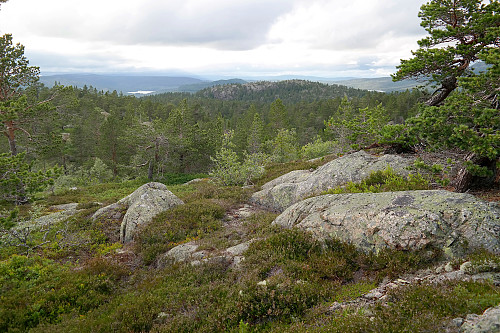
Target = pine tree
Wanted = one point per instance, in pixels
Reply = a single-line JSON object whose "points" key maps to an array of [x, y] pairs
{"points": [[14, 75], [111, 148], [180, 135], [278, 116], [256, 135], [458, 31]]}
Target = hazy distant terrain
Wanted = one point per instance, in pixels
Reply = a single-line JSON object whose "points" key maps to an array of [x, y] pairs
{"points": [[203, 85], [384, 84], [123, 83], [128, 84]]}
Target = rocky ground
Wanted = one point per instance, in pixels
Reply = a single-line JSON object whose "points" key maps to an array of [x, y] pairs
{"points": [[228, 245]]}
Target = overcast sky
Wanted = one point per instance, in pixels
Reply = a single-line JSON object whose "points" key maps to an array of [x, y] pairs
{"points": [[216, 38]]}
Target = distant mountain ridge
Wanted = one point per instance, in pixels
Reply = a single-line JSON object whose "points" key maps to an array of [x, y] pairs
{"points": [[290, 91], [124, 83], [192, 88], [382, 84], [141, 85]]}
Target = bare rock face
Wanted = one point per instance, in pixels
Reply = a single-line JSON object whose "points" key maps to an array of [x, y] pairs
{"points": [[188, 252], [292, 187], [409, 220], [139, 208], [180, 253], [488, 322]]}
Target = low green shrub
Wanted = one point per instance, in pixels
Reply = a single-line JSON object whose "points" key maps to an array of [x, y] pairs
{"points": [[177, 225], [36, 290], [421, 308], [179, 178], [284, 276], [318, 148], [280, 299], [383, 181], [295, 272], [226, 196], [105, 193], [392, 263], [414, 308], [437, 173]]}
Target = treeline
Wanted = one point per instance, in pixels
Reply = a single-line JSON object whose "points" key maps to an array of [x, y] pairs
{"points": [[290, 91], [173, 133], [307, 104]]}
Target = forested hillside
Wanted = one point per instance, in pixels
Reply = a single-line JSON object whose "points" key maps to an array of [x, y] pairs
{"points": [[289, 206], [291, 91], [178, 133], [122, 83]]}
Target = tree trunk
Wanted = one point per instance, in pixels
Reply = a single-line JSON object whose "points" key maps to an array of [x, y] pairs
{"points": [[447, 86], [11, 137], [464, 178], [150, 170]]}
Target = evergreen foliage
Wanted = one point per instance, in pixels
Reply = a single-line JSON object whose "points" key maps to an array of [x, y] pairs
{"points": [[75, 277], [228, 168], [14, 75], [468, 119], [18, 182], [458, 32], [384, 181], [358, 128]]}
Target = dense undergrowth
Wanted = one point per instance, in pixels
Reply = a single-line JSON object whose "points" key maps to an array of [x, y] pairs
{"points": [[84, 280]]}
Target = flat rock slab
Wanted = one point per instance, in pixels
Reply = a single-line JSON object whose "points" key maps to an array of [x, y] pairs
{"points": [[60, 213], [293, 187], [139, 208], [407, 220], [488, 322], [180, 253], [188, 252]]}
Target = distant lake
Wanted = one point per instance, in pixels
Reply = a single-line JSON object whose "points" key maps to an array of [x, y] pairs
{"points": [[144, 92]]}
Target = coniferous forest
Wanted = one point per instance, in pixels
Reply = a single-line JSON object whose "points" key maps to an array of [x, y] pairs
{"points": [[215, 261], [178, 133]]}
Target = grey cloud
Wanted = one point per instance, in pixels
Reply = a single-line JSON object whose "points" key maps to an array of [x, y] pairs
{"points": [[236, 26], [52, 62], [222, 24]]}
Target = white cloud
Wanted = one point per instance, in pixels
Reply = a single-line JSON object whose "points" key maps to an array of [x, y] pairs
{"points": [[218, 23], [310, 37], [354, 24]]}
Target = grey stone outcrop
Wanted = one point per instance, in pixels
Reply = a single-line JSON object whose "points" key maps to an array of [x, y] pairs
{"points": [[139, 208], [488, 322], [409, 220], [179, 253], [188, 252], [60, 213], [292, 187]]}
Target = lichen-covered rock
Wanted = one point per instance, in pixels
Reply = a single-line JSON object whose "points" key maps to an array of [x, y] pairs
{"points": [[488, 322], [292, 187], [409, 220], [180, 253], [188, 252], [139, 208], [61, 213], [480, 266], [239, 249]]}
